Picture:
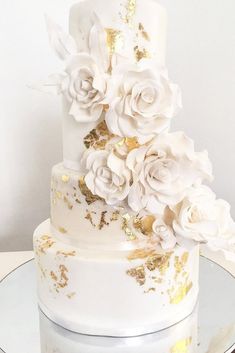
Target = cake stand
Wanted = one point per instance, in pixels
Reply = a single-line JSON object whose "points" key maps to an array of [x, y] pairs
{"points": [[19, 317]]}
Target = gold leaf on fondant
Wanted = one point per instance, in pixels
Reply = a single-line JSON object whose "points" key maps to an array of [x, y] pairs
{"points": [[114, 39], [65, 178], [138, 273], [98, 137], [90, 198], [182, 346], [62, 230], [178, 293], [143, 32], [66, 253], [141, 53]]}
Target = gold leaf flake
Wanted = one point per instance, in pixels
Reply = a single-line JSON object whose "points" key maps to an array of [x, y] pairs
{"points": [[58, 194], [71, 295], [114, 40], [103, 222], [132, 143], [130, 12], [98, 137], [141, 53], [143, 32], [62, 230], [182, 346], [152, 289], [90, 198], [141, 254], [46, 243], [115, 216], [69, 205], [159, 261], [65, 178], [138, 273], [179, 293], [125, 226], [66, 253], [53, 276], [89, 217], [144, 224], [180, 263]]}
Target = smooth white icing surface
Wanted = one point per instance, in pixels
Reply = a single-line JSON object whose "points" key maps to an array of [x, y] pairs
{"points": [[179, 338], [97, 292], [112, 14]]}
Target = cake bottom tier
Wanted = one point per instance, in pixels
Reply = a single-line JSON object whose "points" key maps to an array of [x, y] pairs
{"points": [[114, 293], [180, 338]]}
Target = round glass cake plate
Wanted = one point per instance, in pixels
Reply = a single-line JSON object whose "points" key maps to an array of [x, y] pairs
{"points": [[20, 320]]}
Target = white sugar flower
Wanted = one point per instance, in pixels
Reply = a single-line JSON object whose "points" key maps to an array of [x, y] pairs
{"points": [[163, 171], [164, 233], [107, 175], [84, 86], [203, 218], [143, 101]]}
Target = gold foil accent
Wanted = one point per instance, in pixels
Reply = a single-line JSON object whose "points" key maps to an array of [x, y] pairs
{"points": [[143, 32], [130, 12], [160, 262], [46, 242], [179, 293], [144, 224], [152, 289], [98, 137], [53, 276], [71, 295], [180, 263], [69, 205], [131, 143], [114, 39], [65, 178], [66, 253], [141, 53], [125, 219], [62, 230], [115, 216], [103, 221], [89, 217], [140, 254], [58, 194], [90, 198], [182, 346], [138, 273]]}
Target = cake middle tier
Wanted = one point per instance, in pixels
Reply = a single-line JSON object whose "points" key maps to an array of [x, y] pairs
{"points": [[83, 219]]}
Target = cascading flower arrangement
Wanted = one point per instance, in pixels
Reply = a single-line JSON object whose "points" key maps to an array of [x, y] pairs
{"points": [[160, 174]]}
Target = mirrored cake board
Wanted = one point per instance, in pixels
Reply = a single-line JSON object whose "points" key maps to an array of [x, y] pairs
{"points": [[20, 320]]}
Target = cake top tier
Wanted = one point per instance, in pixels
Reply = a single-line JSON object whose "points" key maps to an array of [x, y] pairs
{"points": [[112, 33]]}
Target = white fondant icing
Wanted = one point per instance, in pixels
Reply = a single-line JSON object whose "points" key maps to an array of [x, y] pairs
{"points": [[179, 338], [90, 292]]}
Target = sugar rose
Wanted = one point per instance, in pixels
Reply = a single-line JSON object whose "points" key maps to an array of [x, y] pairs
{"points": [[163, 171], [84, 86], [143, 101], [107, 175]]}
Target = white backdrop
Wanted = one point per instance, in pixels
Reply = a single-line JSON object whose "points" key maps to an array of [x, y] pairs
{"points": [[200, 58]]}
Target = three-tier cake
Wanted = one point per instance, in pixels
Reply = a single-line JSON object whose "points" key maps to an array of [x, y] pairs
{"points": [[120, 253]]}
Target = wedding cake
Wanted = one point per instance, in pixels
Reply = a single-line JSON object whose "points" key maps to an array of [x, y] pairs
{"points": [[120, 253]]}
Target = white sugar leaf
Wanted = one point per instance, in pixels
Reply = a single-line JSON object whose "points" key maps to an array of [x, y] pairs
{"points": [[63, 44], [51, 85], [97, 43]]}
